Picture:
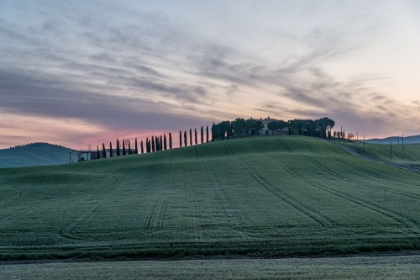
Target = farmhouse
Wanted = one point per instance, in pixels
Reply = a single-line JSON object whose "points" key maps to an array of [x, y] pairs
{"points": [[83, 155], [266, 131]]}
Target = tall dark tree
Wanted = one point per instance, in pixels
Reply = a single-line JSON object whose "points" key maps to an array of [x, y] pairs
{"points": [[202, 135], [118, 148], [195, 135], [180, 139], [207, 134], [153, 144], [129, 147], [147, 145], [190, 137], [164, 141], [170, 141], [98, 154], [161, 143], [110, 150], [185, 138], [136, 148], [213, 127], [141, 147], [123, 146], [103, 151]]}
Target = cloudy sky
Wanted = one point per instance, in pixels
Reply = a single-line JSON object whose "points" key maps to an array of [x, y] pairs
{"points": [[85, 72]]}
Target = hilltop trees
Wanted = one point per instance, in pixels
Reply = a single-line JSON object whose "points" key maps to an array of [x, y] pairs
{"points": [[118, 147], [110, 150], [170, 140], [275, 125], [185, 138], [241, 127], [103, 151], [317, 128], [190, 137], [147, 145], [195, 135]]}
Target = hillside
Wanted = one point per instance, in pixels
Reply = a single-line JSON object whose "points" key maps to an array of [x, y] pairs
{"points": [[35, 154], [408, 154], [257, 196], [415, 139]]}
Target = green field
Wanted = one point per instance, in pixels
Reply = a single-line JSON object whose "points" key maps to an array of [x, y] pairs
{"points": [[354, 267], [257, 196], [408, 154]]}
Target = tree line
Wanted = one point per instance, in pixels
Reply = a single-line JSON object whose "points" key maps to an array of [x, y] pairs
{"points": [[152, 144], [241, 127]]}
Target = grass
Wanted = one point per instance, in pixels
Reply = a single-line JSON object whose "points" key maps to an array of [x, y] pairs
{"points": [[407, 154], [390, 267], [258, 196]]}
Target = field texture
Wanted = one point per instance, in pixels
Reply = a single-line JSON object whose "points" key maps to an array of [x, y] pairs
{"points": [[385, 267], [262, 196], [408, 154]]}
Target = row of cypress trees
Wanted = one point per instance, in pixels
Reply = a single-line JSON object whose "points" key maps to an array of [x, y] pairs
{"points": [[154, 144], [185, 138]]}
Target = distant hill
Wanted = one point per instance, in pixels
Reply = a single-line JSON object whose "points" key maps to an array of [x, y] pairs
{"points": [[34, 154], [415, 139]]}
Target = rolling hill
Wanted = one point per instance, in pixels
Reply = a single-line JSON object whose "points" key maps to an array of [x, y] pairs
{"points": [[35, 154], [415, 139], [256, 196], [408, 155]]}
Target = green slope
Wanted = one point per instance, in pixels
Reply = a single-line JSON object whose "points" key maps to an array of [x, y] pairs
{"points": [[35, 154], [262, 196], [407, 154]]}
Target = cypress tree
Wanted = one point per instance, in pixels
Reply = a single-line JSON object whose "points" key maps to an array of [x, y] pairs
{"points": [[147, 145], [185, 138], [129, 147], [170, 140], [136, 148], [157, 143], [164, 142], [103, 151], [118, 147], [202, 135], [195, 134], [161, 143], [190, 137], [153, 144], [123, 146], [110, 149], [141, 147], [98, 154], [207, 134], [180, 139]]}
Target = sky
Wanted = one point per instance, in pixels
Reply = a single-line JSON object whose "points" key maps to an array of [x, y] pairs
{"points": [[79, 73]]}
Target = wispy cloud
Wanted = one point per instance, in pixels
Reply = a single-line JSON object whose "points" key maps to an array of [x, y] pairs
{"points": [[144, 67]]}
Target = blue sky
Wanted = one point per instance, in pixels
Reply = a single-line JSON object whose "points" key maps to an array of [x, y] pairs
{"points": [[86, 72]]}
